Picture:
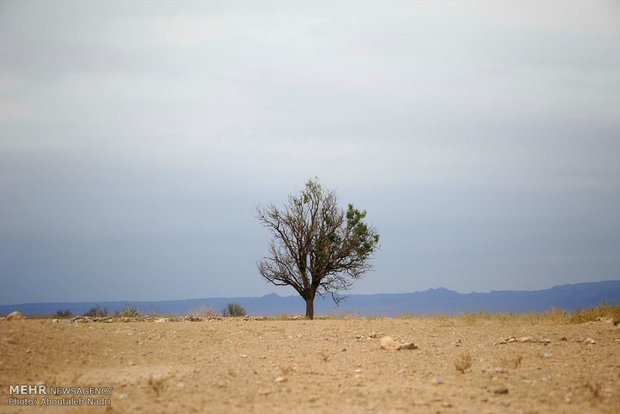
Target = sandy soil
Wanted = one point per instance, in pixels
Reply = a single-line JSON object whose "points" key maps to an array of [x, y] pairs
{"points": [[267, 366]]}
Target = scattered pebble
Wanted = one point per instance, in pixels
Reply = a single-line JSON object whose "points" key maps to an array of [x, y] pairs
{"points": [[9, 340], [280, 379], [408, 345], [387, 342], [546, 356], [589, 341], [502, 390], [123, 396], [437, 381]]}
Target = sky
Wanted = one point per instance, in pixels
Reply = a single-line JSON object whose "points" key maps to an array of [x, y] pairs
{"points": [[137, 139]]}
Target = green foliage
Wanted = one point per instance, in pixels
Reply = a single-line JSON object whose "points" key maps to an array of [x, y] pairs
{"points": [[318, 247], [233, 309]]}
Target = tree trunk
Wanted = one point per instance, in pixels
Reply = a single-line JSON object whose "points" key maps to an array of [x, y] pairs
{"points": [[310, 307]]}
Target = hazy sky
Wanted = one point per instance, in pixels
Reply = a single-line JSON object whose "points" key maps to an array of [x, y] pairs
{"points": [[136, 139]]}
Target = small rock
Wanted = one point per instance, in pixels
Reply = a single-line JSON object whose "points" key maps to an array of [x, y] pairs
{"points": [[546, 356], [14, 316], [408, 345], [387, 342], [618, 340], [437, 381], [9, 340], [447, 404], [499, 369], [358, 370], [280, 379], [511, 340], [525, 339], [589, 341], [605, 319], [372, 335], [123, 396], [180, 385], [54, 320], [161, 320], [544, 341], [503, 390]]}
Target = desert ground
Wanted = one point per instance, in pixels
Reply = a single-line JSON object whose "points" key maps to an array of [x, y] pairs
{"points": [[259, 365]]}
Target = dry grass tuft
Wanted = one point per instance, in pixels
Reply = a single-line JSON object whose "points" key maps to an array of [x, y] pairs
{"points": [[594, 388], [463, 363], [591, 314], [157, 384], [203, 312]]}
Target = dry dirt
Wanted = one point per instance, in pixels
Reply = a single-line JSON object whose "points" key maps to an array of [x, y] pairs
{"points": [[294, 366]]}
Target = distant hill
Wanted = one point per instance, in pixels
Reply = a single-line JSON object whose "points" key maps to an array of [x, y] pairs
{"points": [[568, 297]]}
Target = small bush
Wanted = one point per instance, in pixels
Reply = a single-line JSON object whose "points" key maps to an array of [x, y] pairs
{"points": [[202, 312], [63, 313], [233, 309], [127, 311], [462, 363], [96, 311]]}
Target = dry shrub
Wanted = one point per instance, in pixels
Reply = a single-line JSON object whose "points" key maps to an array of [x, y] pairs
{"points": [[463, 362], [202, 311], [591, 314], [233, 309], [594, 388], [157, 384], [512, 363], [517, 361]]}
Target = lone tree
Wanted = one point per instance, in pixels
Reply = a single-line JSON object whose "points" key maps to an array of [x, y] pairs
{"points": [[317, 247]]}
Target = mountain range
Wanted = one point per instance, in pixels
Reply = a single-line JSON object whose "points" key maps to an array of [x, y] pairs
{"points": [[568, 297]]}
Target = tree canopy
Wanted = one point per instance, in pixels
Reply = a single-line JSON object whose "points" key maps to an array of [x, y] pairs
{"points": [[317, 246]]}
